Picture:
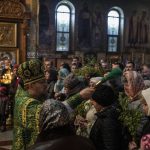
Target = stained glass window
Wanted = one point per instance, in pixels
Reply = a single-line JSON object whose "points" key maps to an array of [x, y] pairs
{"points": [[113, 25], [63, 28], [112, 44]]}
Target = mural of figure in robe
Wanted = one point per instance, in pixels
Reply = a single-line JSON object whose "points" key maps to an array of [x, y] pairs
{"points": [[138, 29], [84, 27], [96, 28], [143, 28], [133, 29]]}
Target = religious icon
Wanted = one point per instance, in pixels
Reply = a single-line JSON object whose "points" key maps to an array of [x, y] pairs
{"points": [[8, 34]]}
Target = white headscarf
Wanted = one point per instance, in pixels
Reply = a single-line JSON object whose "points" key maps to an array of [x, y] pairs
{"points": [[146, 95]]}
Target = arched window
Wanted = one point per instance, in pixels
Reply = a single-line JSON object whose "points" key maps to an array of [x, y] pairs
{"points": [[114, 29], [64, 26]]}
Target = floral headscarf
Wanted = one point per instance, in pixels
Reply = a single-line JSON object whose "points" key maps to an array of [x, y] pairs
{"points": [[133, 84], [53, 115]]}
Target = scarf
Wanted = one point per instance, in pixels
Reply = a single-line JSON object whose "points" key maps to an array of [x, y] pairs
{"points": [[133, 84]]}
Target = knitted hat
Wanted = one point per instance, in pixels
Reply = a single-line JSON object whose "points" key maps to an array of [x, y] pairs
{"points": [[146, 96], [104, 95], [31, 71]]}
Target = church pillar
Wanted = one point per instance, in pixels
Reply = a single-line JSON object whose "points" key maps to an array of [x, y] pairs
{"points": [[34, 29]]}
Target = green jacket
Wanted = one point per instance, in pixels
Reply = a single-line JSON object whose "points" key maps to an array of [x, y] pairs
{"points": [[116, 72]]}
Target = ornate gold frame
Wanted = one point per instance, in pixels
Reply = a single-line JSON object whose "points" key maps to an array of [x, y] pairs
{"points": [[11, 53], [8, 34]]}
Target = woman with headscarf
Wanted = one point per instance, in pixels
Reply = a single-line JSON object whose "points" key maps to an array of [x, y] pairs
{"points": [[55, 130], [62, 74], [133, 85], [145, 136]]}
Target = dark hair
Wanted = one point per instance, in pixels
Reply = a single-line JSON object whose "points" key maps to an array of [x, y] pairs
{"points": [[73, 64], [53, 75], [76, 57], [66, 65], [47, 59], [121, 66], [131, 62], [40, 58], [104, 95]]}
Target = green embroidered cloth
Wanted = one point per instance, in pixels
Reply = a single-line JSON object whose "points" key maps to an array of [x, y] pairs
{"points": [[26, 120], [74, 100]]}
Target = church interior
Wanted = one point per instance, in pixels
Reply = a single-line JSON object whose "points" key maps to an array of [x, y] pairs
{"points": [[117, 29], [108, 30]]}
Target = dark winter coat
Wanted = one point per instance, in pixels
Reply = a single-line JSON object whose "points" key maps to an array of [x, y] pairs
{"points": [[143, 128], [61, 139], [146, 128], [106, 133]]}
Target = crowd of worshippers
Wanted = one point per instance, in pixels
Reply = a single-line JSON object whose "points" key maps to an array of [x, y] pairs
{"points": [[55, 108]]}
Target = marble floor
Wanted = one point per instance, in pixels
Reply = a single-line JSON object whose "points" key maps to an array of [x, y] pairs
{"points": [[6, 140]]}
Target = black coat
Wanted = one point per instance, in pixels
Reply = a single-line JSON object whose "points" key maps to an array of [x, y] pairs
{"points": [[61, 139], [146, 127], [106, 133]]}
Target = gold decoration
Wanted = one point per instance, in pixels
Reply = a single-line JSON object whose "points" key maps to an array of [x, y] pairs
{"points": [[7, 77], [11, 9], [24, 112]]}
